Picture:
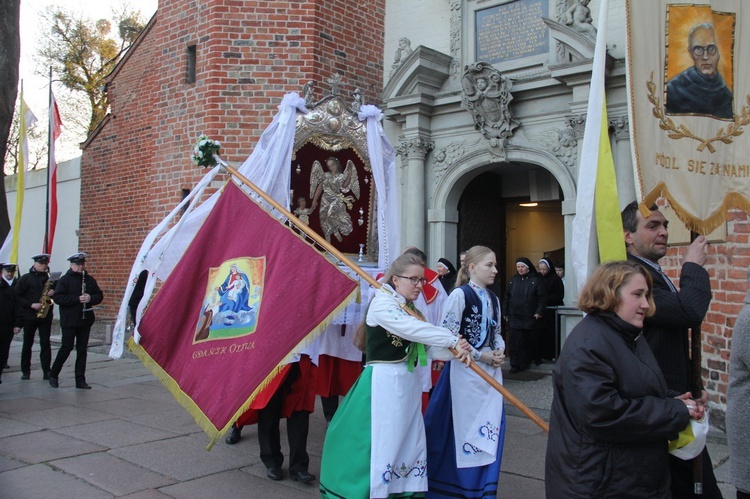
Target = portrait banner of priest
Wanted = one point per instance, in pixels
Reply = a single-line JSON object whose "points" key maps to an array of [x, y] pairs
{"points": [[689, 94]]}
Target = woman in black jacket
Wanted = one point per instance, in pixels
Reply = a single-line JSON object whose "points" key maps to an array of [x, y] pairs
{"points": [[523, 308], [611, 413]]}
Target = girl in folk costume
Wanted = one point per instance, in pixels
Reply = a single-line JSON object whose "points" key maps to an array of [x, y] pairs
{"points": [[465, 421], [389, 460]]}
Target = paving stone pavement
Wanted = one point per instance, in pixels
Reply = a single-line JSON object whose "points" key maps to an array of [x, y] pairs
{"points": [[128, 437]]}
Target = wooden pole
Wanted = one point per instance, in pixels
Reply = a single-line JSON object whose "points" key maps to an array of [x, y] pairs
{"points": [[372, 282], [696, 389]]}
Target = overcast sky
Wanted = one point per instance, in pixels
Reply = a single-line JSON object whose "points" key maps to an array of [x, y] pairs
{"points": [[35, 87]]}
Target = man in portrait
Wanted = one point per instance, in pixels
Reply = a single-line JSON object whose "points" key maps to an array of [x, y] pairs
{"points": [[700, 89]]}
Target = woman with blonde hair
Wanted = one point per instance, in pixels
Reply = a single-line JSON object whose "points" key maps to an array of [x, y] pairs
{"points": [[465, 419], [375, 444], [612, 414]]}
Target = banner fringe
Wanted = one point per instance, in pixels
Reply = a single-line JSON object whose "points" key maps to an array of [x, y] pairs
{"points": [[704, 227], [187, 403]]}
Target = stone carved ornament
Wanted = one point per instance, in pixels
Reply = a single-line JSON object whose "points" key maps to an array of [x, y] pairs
{"points": [[486, 95], [403, 51], [578, 17], [561, 142], [455, 33]]}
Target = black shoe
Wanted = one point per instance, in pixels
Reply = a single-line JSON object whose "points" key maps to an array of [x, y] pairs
{"points": [[235, 436], [46, 375], [514, 370], [274, 474], [83, 386], [302, 476], [25, 376], [537, 362], [53, 382]]}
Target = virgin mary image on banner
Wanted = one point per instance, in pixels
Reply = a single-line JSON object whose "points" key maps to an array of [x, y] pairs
{"points": [[232, 299]]}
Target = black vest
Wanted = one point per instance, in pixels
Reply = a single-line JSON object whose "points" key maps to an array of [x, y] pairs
{"points": [[471, 320]]}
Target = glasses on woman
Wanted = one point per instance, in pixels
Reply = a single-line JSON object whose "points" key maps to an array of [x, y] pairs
{"points": [[414, 279]]}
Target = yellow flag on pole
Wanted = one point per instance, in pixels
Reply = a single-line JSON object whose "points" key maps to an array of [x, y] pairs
{"points": [[26, 119]]}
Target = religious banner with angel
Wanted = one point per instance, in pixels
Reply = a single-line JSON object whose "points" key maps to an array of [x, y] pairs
{"points": [[333, 194], [689, 86]]}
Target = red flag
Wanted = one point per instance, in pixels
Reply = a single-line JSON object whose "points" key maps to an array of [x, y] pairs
{"points": [[247, 291], [55, 125]]}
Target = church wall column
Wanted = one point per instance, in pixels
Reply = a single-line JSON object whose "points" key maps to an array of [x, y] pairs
{"points": [[443, 225], [413, 207], [623, 160], [577, 123], [571, 287]]}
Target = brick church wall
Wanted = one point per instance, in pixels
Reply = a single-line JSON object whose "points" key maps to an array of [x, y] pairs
{"points": [[248, 55]]}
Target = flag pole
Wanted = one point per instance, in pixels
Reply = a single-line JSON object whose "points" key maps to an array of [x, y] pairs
{"points": [[372, 282], [50, 132]]}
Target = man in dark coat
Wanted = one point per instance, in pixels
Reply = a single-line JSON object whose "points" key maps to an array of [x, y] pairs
{"points": [[667, 331], [29, 291], [524, 305], [76, 293], [10, 312]]}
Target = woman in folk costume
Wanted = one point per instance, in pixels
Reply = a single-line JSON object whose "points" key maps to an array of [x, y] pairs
{"points": [[389, 460], [464, 408]]}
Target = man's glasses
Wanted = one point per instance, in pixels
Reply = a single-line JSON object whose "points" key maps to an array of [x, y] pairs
{"points": [[699, 50], [414, 279]]}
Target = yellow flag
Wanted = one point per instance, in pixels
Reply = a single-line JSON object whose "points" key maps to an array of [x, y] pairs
{"points": [[607, 205], [26, 119]]}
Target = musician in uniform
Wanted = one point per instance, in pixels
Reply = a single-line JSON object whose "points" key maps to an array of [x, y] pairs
{"points": [[10, 312], [29, 290], [76, 294]]}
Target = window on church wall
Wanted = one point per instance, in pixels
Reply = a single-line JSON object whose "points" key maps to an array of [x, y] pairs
{"points": [[183, 194], [191, 62]]}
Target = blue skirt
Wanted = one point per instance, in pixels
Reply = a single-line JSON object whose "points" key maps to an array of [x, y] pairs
{"points": [[444, 478]]}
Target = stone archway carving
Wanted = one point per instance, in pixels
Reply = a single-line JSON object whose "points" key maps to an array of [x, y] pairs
{"points": [[449, 187]]}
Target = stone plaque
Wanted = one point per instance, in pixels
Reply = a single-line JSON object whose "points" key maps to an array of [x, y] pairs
{"points": [[511, 31]]}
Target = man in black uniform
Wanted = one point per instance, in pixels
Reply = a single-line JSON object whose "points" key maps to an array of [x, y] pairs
{"points": [[29, 291], [666, 331], [76, 293], [10, 312]]}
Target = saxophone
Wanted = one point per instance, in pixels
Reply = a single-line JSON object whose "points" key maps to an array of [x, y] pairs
{"points": [[45, 300]]}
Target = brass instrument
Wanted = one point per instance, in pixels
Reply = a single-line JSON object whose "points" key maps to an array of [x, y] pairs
{"points": [[46, 301]]}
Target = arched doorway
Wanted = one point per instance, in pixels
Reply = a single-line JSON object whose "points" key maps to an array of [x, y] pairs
{"points": [[515, 209]]}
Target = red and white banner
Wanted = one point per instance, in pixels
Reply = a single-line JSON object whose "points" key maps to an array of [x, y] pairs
{"points": [[246, 296], [55, 125]]}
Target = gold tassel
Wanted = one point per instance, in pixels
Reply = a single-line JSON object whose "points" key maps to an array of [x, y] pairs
{"points": [[731, 200]]}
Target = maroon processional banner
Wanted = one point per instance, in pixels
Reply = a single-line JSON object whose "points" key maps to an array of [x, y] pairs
{"points": [[248, 293]]}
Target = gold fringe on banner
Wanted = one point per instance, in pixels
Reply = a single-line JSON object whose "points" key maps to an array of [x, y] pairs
{"points": [[197, 414], [704, 227]]}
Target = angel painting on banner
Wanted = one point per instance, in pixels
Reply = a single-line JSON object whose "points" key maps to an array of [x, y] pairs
{"points": [[330, 189]]}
